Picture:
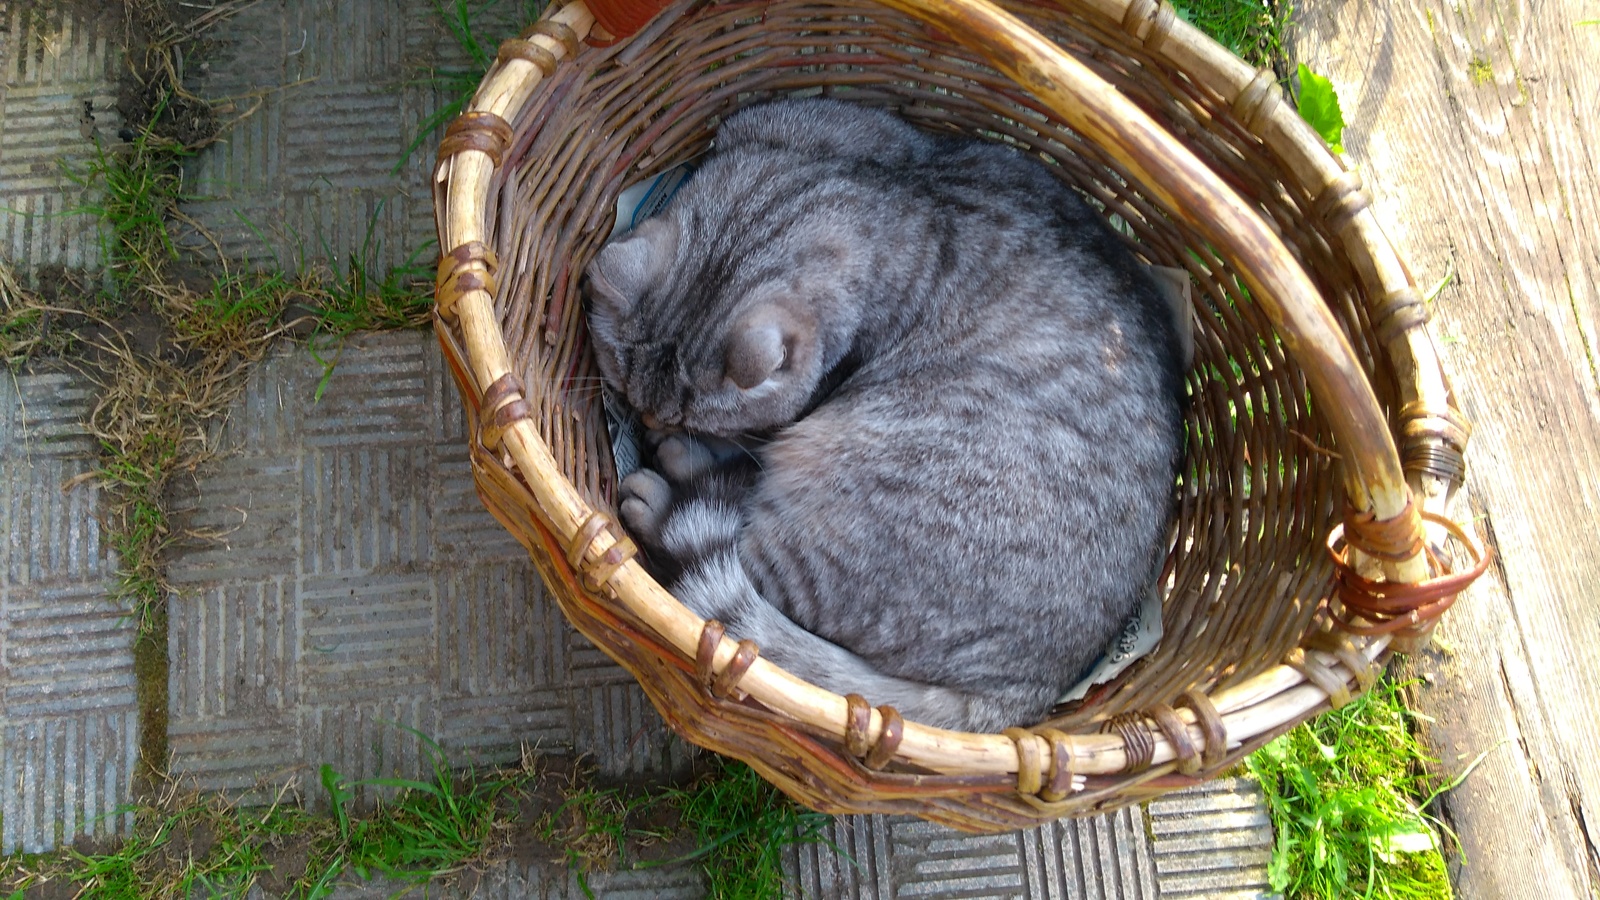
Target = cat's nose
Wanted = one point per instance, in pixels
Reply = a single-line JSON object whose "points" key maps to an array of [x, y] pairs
{"points": [[650, 422]]}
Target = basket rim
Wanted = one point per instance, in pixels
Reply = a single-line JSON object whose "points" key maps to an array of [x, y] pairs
{"points": [[1377, 485]]}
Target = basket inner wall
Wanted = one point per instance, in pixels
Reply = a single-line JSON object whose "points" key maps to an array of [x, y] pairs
{"points": [[1260, 486]]}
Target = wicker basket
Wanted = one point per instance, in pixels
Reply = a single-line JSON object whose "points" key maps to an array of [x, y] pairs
{"points": [[1322, 438]]}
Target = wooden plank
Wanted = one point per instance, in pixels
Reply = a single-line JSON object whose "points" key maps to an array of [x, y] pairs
{"points": [[1476, 126]]}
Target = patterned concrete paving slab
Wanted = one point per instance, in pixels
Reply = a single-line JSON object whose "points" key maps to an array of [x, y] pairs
{"points": [[353, 590], [58, 71], [328, 96], [1213, 841], [68, 715], [1107, 857]]}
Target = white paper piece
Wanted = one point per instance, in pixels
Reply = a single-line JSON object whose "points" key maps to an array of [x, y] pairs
{"points": [[1175, 284], [1139, 636], [650, 196]]}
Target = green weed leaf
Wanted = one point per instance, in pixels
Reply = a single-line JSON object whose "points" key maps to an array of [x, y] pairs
{"points": [[1347, 794], [338, 796], [1252, 29], [1319, 105], [1278, 867], [409, 784]]}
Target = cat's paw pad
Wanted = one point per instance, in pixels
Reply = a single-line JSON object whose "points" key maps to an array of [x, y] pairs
{"points": [[683, 458], [646, 500]]}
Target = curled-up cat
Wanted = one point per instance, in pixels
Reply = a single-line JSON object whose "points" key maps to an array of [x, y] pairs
{"points": [[969, 397]]}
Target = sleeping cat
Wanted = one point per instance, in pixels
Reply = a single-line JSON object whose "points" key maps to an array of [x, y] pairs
{"points": [[967, 396]]}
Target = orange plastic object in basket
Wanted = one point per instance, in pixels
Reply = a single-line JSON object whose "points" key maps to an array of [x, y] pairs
{"points": [[624, 17]]}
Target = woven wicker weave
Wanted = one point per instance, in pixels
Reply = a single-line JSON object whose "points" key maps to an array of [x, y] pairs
{"points": [[1320, 410]]}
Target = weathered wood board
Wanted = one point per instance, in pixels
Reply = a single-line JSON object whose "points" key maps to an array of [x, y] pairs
{"points": [[1477, 127]]}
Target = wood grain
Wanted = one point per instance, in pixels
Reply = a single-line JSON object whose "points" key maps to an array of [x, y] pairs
{"points": [[1475, 125]]}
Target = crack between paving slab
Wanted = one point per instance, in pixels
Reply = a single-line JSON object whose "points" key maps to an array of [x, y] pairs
{"points": [[150, 666]]}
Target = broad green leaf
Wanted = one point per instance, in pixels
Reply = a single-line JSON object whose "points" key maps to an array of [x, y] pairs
{"points": [[410, 784], [338, 795], [1278, 866], [1319, 105]]}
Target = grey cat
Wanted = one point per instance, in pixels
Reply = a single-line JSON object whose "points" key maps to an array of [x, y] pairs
{"points": [[968, 396]]}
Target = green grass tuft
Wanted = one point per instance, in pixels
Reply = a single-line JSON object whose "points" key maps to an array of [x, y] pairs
{"points": [[738, 823], [431, 828], [192, 846], [237, 310], [1255, 30], [137, 476], [356, 299], [1348, 794], [592, 827], [742, 824], [463, 19], [136, 186], [198, 849]]}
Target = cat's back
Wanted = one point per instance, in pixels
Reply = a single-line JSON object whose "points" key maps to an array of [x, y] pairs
{"points": [[968, 388], [1007, 460]]}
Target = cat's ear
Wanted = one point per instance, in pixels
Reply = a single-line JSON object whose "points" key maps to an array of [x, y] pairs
{"points": [[623, 270], [763, 344]]}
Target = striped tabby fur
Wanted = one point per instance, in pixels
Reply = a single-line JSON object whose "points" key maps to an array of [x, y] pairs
{"points": [[967, 398]]}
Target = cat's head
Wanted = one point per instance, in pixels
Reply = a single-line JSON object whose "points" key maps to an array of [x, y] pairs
{"points": [[705, 342]]}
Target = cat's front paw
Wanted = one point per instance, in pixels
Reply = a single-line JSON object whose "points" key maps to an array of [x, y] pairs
{"points": [[686, 457], [646, 501]]}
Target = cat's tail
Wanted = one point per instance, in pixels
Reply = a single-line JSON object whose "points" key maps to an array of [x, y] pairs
{"points": [[717, 584]]}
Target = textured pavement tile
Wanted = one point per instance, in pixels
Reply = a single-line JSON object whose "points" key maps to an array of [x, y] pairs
{"points": [[68, 718], [1212, 841], [335, 92], [896, 856], [1104, 857], [355, 588], [58, 70]]}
